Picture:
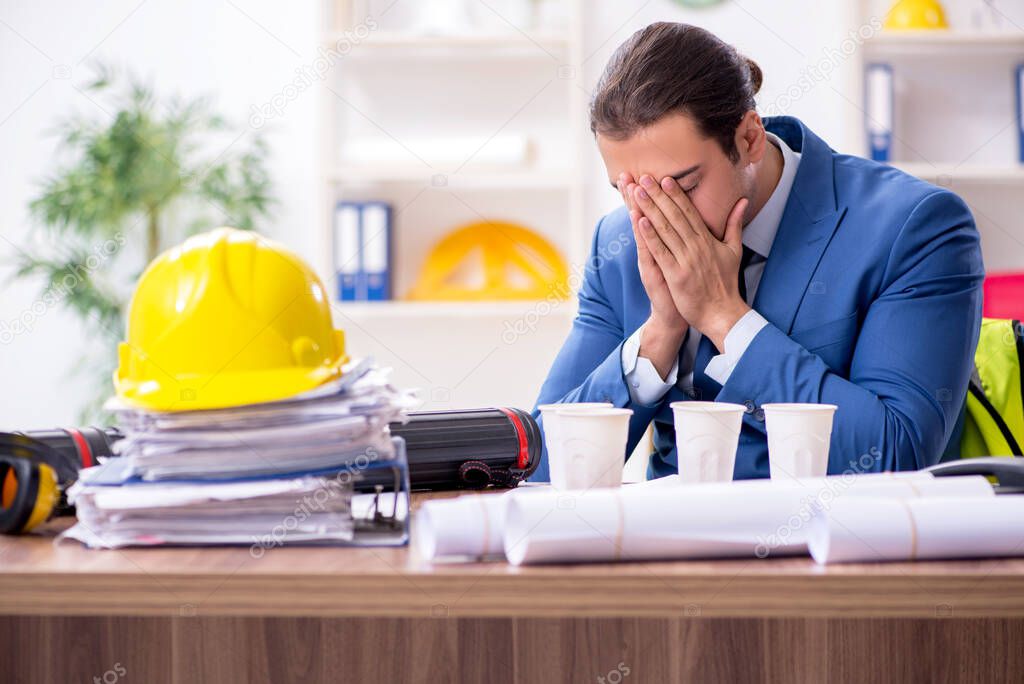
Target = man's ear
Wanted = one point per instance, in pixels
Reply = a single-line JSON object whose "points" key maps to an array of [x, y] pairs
{"points": [[751, 140]]}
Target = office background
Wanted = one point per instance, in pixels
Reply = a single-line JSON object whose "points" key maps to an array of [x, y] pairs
{"points": [[497, 73]]}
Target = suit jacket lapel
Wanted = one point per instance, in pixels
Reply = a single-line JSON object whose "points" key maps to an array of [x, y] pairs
{"points": [[808, 223]]}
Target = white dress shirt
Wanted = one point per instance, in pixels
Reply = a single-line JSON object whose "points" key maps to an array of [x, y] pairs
{"points": [[645, 385]]}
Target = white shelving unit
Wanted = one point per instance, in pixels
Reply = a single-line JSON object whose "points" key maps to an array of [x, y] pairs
{"points": [[400, 84], [549, 53], [947, 42], [497, 44], [483, 311], [955, 116], [544, 180], [974, 174]]}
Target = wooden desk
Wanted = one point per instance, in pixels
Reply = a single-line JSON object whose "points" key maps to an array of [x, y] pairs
{"points": [[377, 615]]}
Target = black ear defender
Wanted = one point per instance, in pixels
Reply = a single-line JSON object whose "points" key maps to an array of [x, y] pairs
{"points": [[29, 491], [37, 467]]}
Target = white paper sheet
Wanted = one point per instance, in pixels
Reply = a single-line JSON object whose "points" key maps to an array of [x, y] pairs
{"points": [[162, 496], [695, 521], [875, 529]]}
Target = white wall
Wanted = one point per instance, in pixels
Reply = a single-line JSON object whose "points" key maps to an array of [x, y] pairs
{"points": [[240, 57], [242, 53], [766, 32]]}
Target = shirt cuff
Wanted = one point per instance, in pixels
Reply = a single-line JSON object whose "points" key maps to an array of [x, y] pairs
{"points": [[737, 340], [645, 385]]}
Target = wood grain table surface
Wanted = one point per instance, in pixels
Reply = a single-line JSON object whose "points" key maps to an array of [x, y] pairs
{"points": [[186, 615], [42, 578]]}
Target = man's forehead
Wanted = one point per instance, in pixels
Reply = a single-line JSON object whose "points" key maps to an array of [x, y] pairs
{"points": [[655, 161], [656, 150]]}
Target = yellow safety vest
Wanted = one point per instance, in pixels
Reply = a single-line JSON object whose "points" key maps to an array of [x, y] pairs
{"points": [[994, 417]]}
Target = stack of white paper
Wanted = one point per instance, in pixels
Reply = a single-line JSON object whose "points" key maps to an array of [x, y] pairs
{"points": [[263, 474], [872, 529], [261, 512], [333, 426]]}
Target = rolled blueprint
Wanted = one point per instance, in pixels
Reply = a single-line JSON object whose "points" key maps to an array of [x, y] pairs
{"points": [[470, 525], [473, 525], [875, 529], [717, 520]]}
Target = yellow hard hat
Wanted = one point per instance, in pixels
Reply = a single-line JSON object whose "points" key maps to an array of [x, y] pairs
{"points": [[916, 15], [225, 319], [516, 263]]}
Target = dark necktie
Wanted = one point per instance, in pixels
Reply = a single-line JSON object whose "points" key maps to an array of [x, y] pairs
{"points": [[748, 255], [704, 387]]}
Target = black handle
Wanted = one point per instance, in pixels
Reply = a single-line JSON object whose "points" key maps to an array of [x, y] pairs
{"points": [[1007, 470]]}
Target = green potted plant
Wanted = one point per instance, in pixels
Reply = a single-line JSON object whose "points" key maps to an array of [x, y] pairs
{"points": [[130, 184]]}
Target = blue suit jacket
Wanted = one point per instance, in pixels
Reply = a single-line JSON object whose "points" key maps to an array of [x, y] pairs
{"points": [[872, 291]]}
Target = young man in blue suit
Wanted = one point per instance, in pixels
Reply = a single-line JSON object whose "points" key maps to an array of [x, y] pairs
{"points": [[752, 264]]}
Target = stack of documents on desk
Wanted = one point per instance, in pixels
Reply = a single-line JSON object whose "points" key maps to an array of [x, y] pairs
{"points": [[335, 425], [262, 474], [213, 513]]}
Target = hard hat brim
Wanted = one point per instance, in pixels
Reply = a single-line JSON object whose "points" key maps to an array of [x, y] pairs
{"points": [[223, 390]]}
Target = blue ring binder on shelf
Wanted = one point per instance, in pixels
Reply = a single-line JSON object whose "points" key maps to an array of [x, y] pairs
{"points": [[1019, 102], [879, 110], [362, 250]]}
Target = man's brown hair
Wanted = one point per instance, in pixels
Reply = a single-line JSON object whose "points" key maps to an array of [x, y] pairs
{"points": [[667, 68]]}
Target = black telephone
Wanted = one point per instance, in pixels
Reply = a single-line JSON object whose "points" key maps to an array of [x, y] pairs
{"points": [[1008, 471]]}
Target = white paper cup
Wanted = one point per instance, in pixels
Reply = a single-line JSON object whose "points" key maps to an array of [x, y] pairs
{"points": [[590, 449], [549, 426], [798, 439], [707, 434]]}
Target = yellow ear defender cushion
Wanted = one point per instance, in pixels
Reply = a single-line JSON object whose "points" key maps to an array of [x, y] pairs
{"points": [[29, 494], [47, 495]]}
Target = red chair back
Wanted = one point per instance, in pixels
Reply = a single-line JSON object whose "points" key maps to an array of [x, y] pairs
{"points": [[1004, 295]]}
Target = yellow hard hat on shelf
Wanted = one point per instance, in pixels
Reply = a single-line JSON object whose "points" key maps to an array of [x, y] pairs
{"points": [[514, 263], [916, 15], [225, 319]]}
